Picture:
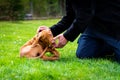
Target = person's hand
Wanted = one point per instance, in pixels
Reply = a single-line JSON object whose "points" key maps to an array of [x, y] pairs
{"points": [[60, 41], [42, 28]]}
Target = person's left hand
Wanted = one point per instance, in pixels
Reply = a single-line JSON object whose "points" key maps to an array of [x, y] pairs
{"points": [[62, 41]]}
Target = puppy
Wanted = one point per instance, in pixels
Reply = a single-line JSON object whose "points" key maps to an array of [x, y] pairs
{"points": [[39, 45]]}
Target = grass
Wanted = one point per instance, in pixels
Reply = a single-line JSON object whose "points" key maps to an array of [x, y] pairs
{"points": [[14, 34]]}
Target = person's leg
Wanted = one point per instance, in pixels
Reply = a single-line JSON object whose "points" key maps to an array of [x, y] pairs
{"points": [[92, 48], [89, 46], [114, 43], [117, 55]]}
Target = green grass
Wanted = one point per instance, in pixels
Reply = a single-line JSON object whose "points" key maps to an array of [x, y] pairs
{"points": [[14, 34]]}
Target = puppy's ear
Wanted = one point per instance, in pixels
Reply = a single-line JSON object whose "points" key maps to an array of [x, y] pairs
{"points": [[39, 36]]}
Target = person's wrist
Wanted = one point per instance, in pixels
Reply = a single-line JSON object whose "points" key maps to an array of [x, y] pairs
{"points": [[65, 37]]}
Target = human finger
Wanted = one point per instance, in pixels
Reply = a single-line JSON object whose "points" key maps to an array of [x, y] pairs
{"points": [[41, 28]]}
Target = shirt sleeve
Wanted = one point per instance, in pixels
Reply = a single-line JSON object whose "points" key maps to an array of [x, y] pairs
{"points": [[83, 12], [78, 15], [65, 22]]}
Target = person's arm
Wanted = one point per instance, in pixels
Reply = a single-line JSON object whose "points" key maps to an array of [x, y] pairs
{"points": [[65, 22], [83, 9]]}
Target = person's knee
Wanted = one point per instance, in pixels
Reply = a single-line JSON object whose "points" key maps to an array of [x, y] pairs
{"points": [[85, 54], [80, 55]]}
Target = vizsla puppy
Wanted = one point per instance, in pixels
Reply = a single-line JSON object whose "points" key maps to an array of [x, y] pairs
{"points": [[39, 45]]}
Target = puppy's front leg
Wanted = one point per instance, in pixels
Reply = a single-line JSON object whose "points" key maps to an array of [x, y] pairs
{"points": [[49, 58], [55, 52], [43, 53], [54, 57]]}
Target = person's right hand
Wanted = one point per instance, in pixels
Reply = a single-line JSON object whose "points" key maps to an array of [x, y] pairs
{"points": [[62, 41], [41, 28]]}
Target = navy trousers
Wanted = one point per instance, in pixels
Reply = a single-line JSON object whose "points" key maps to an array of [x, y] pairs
{"points": [[93, 44]]}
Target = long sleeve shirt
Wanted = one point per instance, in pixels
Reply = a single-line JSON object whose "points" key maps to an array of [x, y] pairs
{"points": [[100, 15]]}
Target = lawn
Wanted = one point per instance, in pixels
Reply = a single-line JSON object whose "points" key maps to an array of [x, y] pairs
{"points": [[14, 34]]}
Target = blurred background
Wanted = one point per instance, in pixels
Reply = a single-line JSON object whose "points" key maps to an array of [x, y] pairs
{"points": [[31, 9]]}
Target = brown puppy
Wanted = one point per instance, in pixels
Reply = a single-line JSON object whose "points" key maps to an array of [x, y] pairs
{"points": [[39, 45]]}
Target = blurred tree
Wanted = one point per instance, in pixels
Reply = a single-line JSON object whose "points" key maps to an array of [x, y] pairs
{"points": [[43, 8], [53, 8], [15, 9], [40, 8], [11, 9], [62, 6], [31, 6]]}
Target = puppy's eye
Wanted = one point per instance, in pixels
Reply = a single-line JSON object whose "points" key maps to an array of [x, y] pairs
{"points": [[38, 54]]}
